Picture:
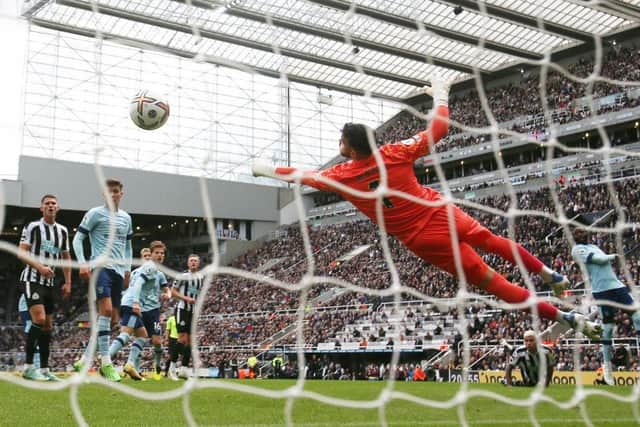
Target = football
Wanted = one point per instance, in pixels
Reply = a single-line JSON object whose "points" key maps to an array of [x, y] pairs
{"points": [[148, 112]]}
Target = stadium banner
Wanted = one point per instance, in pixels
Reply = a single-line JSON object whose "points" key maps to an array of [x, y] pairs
{"points": [[565, 377]]}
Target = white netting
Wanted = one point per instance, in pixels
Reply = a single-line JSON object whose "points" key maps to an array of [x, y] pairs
{"points": [[194, 40]]}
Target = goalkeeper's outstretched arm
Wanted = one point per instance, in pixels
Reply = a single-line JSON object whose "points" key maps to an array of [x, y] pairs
{"points": [[439, 125], [287, 174]]}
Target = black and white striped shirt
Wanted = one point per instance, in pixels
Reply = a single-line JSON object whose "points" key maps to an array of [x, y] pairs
{"points": [[529, 363], [189, 285], [47, 242]]}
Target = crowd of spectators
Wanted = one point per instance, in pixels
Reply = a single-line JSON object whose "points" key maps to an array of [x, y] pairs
{"points": [[520, 104], [285, 259], [230, 298]]}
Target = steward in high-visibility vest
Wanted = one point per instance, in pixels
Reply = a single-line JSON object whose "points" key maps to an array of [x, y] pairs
{"points": [[277, 363], [252, 362]]}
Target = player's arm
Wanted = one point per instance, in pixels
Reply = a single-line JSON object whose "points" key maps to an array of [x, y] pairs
{"points": [[164, 286], [23, 254], [583, 255], [176, 294], [310, 178], [85, 227], [550, 365], [136, 290], [128, 256], [66, 271], [507, 375], [601, 259], [420, 145]]}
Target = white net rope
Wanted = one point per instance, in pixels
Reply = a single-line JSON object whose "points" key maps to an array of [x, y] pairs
{"points": [[465, 295]]}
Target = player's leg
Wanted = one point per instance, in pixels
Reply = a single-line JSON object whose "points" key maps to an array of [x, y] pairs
{"points": [[472, 232], [26, 321], [186, 352], [103, 298], [185, 339], [158, 351], [435, 247], [173, 353], [105, 308], [152, 324], [45, 336], [181, 324], [127, 324], [608, 312], [136, 350], [481, 275], [117, 285], [34, 296]]}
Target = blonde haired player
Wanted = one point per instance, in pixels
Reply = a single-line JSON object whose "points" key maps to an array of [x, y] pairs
{"points": [[527, 359]]}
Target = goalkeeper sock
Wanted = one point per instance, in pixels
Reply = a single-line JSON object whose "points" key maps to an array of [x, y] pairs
{"points": [[507, 291], [503, 247]]}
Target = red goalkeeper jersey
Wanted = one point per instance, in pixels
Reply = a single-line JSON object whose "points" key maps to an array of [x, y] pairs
{"points": [[402, 218]]}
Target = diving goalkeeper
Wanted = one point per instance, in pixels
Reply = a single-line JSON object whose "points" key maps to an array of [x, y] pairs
{"points": [[425, 229]]}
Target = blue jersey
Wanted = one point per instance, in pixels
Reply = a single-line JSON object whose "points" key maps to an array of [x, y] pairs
{"points": [[598, 265], [146, 285], [151, 301], [96, 224]]}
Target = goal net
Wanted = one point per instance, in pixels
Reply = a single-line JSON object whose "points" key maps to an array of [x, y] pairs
{"points": [[543, 137]]}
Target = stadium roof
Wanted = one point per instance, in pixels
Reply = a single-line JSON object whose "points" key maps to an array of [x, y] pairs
{"points": [[386, 48]]}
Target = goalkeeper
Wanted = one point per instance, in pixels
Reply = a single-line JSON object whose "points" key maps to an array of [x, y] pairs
{"points": [[425, 229]]}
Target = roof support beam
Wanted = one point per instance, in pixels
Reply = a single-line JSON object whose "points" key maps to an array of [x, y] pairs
{"points": [[215, 35], [517, 17], [239, 11], [141, 44], [620, 8], [443, 32]]}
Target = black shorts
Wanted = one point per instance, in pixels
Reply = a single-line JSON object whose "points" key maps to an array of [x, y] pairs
{"points": [[183, 320], [36, 294], [173, 345]]}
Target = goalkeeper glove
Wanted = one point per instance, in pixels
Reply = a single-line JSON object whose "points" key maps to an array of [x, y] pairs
{"points": [[263, 169], [439, 90]]}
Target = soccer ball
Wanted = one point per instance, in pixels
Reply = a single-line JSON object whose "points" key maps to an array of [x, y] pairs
{"points": [[147, 111]]}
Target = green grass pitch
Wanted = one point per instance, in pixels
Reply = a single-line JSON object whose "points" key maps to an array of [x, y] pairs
{"points": [[103, 406]]}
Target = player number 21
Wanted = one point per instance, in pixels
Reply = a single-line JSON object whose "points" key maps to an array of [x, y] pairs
{"points": [[387, 203]]}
